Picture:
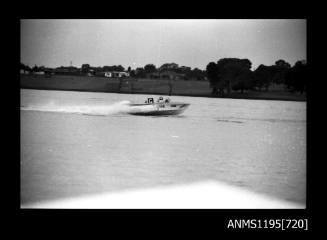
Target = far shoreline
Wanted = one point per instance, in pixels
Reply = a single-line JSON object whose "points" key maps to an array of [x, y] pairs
{"points": [[190, 88]]}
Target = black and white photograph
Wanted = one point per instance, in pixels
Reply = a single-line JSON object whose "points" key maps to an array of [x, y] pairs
{"points": [[163, 113]]}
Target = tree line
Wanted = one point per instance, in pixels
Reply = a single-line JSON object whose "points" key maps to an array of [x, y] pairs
{"points": [[235, 74], [149, 70], [85, 68], [225, 75], [186, 73]]}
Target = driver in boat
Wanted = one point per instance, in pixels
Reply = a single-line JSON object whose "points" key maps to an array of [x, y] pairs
{"points": [[160, 100]]}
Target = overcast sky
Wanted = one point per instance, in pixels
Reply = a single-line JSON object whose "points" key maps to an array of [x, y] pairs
{"points": [[193, 43]]}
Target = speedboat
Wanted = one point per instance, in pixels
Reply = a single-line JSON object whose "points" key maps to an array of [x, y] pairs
{"points": [[160, 107]]}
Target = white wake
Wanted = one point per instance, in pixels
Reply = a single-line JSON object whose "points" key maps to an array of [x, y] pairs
{"points": [[101, 110]]}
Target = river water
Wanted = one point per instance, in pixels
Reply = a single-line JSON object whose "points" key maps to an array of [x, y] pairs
{"points": [[81, 143]]}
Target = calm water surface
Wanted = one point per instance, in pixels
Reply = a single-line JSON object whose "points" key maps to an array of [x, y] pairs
{"points": [[76, 143]]}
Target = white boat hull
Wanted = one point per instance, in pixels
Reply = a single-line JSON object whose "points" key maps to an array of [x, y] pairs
{"points": [[158, 109]]}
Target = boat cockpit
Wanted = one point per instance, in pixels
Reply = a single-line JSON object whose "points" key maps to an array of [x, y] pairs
{"points": [[160, 100]]}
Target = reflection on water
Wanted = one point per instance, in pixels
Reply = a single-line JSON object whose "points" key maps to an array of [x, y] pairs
{"points": [[257, 145]]}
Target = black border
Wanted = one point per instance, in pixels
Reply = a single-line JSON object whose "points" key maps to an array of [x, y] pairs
{"points": [[162, 220]]}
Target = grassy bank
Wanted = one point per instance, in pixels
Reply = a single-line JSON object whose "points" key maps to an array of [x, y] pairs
{"points": [[143, 86]]}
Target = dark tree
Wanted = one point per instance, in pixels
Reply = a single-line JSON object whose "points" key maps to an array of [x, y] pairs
{"points": [[107, 68], [118, 68], [212, 73], [282, 64], [85, 68], [35, 69], [132, 73], [169, 66], [231, 71], [140, 73], [184, 70], [296, 77], [121, 68], [279, 71], [263, 77], [244, 81], [150, 68], [24, 67], [197, 74]]}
